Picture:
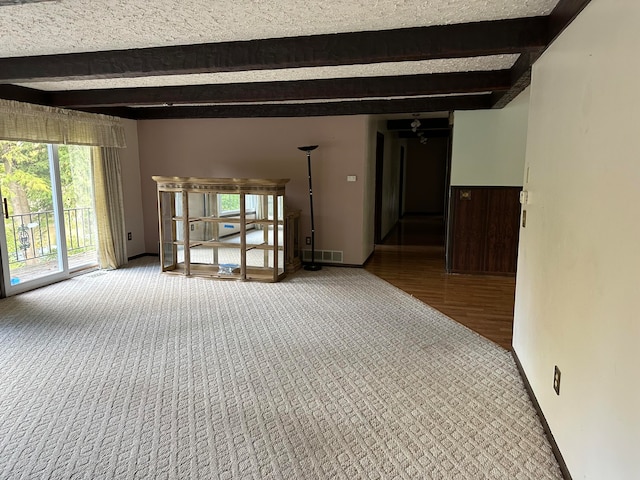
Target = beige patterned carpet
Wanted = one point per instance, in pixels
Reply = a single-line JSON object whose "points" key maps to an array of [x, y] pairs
{"points": [[327, 375]]}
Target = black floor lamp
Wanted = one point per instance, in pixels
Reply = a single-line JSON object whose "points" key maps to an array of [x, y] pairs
{"points": [[313, 266]]}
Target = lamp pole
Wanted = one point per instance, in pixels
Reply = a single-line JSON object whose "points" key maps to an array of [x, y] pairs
{"points": [[313, 266]]}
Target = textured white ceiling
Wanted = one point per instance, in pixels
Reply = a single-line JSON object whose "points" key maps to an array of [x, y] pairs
{"points": [[66, 26], [70, 26], [493, 62]]}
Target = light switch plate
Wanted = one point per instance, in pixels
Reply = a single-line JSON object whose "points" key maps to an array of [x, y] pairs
{"points": [[523, 197]]}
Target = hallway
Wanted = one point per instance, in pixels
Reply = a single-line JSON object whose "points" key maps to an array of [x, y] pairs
{"points": [[412, 259]]}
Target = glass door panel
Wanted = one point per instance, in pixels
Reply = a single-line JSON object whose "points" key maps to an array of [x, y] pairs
{"points": [[77, 198], [29, 238], [168, 252]]}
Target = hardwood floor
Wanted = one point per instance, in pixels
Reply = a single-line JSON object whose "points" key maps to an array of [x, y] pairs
{"points": [[412, 259]]}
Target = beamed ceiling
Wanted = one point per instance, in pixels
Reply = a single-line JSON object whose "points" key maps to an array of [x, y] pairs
{"points": [[227, 58]]}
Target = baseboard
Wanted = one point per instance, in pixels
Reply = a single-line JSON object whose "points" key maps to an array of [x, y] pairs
{"points": [[388, 234], [339, 265], [369, 257], [482, 272], [545, 425], [140, 255]]}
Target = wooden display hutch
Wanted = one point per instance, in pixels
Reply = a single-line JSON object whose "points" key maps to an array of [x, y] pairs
{"points": [[231, 228]]}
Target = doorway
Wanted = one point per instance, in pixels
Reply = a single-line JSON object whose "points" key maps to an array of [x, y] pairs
{"points": [[422, 193], [48, 230], [379, 179]]}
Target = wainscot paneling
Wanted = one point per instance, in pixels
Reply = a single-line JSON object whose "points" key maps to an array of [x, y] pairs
{"points": [[483, 230]]}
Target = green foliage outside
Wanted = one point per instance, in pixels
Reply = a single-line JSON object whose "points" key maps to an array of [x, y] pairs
{"points": [[229, 202], [24, 176], [25, 182], [75, 176]]}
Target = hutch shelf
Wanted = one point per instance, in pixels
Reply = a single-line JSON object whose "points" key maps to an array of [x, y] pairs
{"points": [[231, 228]]}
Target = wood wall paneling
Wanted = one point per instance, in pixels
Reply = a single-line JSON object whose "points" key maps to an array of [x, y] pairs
{"points": [[503, 216], [483, 237], [469, 220]]}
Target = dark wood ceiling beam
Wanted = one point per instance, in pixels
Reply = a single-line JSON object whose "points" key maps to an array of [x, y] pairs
{"points": [[520, 79], [407, 44], [362, 107], [559, 19], [122, 112], [336, 88], [23, 94], [562, 15]]}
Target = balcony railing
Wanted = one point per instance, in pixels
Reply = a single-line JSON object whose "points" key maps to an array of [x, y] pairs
{"points": [[32, 235]]}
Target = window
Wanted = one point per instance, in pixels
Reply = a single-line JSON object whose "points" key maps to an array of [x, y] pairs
{"points": [[47, 195], [229, 204]]}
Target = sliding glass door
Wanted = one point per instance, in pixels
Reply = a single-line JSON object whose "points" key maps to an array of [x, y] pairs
{"points": [[76, 188], [48, 228]]}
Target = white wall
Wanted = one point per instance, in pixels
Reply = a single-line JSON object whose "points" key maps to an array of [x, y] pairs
{"points": [[130, 165], [390, 181], [369, 190], [390, 177], [489, 145], [578, 293]]}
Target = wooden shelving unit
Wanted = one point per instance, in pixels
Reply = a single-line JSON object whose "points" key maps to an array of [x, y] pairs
{"points": [[226, 228]]}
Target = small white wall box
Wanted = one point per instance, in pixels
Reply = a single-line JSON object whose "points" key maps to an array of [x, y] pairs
{"points": [[351, 178]]}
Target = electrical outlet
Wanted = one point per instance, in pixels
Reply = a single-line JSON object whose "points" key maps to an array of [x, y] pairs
{"points": [[307, 240], [129, 236], [193, 227], [556, 380]]}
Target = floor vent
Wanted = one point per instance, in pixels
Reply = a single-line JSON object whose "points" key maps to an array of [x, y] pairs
{"points": [[323, 256]]}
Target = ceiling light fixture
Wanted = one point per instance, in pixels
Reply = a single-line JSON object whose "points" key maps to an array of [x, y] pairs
{"points": [[422, 138]]}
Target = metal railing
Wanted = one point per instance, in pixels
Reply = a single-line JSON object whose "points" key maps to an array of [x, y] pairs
{"points": [[32, 235]]}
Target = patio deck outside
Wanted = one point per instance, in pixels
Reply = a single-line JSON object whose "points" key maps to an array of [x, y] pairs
{"points": [[32, 244]]}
